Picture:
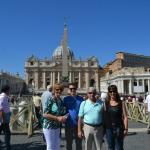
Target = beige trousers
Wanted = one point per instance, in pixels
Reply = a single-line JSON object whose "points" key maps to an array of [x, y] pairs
{"points": [[93, 135]]}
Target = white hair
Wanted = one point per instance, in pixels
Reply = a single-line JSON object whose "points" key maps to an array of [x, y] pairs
{"points": [[49, 87], [92, 89]]}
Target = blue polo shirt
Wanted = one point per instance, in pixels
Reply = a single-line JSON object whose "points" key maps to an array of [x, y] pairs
{"points": [[91, 112], [72, 105]]}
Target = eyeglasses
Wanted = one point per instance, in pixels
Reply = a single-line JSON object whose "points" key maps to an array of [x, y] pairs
{"points": [[112, 92], [91, 92], [72, 89]]}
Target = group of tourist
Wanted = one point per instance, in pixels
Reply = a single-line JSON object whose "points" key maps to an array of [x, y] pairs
{"points": [[88, 121], [85, 120]]}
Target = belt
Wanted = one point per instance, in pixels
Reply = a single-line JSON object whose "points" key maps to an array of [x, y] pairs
{"points": [[93, 125]]}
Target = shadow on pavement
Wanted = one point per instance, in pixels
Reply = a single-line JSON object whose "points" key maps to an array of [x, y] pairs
{"points": [[131, 133], [28, 146]]}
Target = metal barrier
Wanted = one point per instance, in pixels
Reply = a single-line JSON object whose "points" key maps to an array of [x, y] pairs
{"points": [[22, 116], [137, 111]]}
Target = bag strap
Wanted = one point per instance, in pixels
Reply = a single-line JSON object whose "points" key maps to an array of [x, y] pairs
{"points": [[87, 110], [104, 105]]}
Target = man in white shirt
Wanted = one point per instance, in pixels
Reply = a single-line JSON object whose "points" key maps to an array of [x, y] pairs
{"points": [[148, 109], [5, 115], [45, 96]]}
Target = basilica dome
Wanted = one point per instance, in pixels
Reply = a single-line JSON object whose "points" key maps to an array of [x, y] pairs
{"points": [[57, 54]]}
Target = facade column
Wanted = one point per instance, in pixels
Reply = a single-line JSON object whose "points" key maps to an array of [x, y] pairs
{"points": [[70, 77], [79, 85], [26, 79], [97, 81], [121, 86], [44, 80], [58, 77], [73, 80], [143, 85], [149, 86], [36, 82], [130, 86], [51, 82], [87, 79], [53, 78], [137, 82]]}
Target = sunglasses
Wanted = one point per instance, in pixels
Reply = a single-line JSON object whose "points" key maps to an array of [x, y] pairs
{"points": [[112, 92], [72, 89], [91, 92]]}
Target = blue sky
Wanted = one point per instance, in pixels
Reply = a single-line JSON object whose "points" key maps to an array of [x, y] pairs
{"points": [[96, 28]]}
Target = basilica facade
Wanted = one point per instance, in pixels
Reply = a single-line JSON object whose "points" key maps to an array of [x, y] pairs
{"points": [[62, 66]]}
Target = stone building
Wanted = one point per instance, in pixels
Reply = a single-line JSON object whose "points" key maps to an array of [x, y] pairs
{"points": [[16, 83], [130, 72], [62, 66]]}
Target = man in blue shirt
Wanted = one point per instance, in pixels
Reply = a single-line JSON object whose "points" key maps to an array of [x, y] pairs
{"points": [[72, 104]]}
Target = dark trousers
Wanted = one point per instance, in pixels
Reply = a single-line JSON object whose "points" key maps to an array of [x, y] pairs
{"points": [[114, 139], [6, 130], [38, 115], [72, 133]]}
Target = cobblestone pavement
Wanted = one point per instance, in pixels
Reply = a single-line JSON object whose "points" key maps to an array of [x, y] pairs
{"points": [[137, 139]]}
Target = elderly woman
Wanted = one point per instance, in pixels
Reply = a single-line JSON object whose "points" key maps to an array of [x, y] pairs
{"points": [[116, 121], [53, 118]]}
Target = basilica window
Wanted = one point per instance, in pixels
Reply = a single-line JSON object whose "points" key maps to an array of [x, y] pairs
{"points": [[145, 70], [110, 71], [92, 63], [31, 63], [135, 82], [140, 82]]}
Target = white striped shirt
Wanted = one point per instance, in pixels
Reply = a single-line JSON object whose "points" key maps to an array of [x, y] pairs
{"points": [[4, 103]]}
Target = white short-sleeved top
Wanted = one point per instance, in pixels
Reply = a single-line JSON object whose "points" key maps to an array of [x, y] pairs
{"points": [[4, 103]]}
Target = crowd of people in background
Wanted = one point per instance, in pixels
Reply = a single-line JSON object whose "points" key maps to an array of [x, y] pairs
{"points": [[89, 118]]}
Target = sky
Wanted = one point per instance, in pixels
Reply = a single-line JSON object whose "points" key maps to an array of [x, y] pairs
{"points": [[98, 28]]}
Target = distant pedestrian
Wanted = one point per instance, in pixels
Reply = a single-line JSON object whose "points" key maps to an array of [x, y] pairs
{"points": [[44, 98], [115, 119], [37, 106], [72, 104], [103, 96], [5, 115], [46, 95], [90, 123]]}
